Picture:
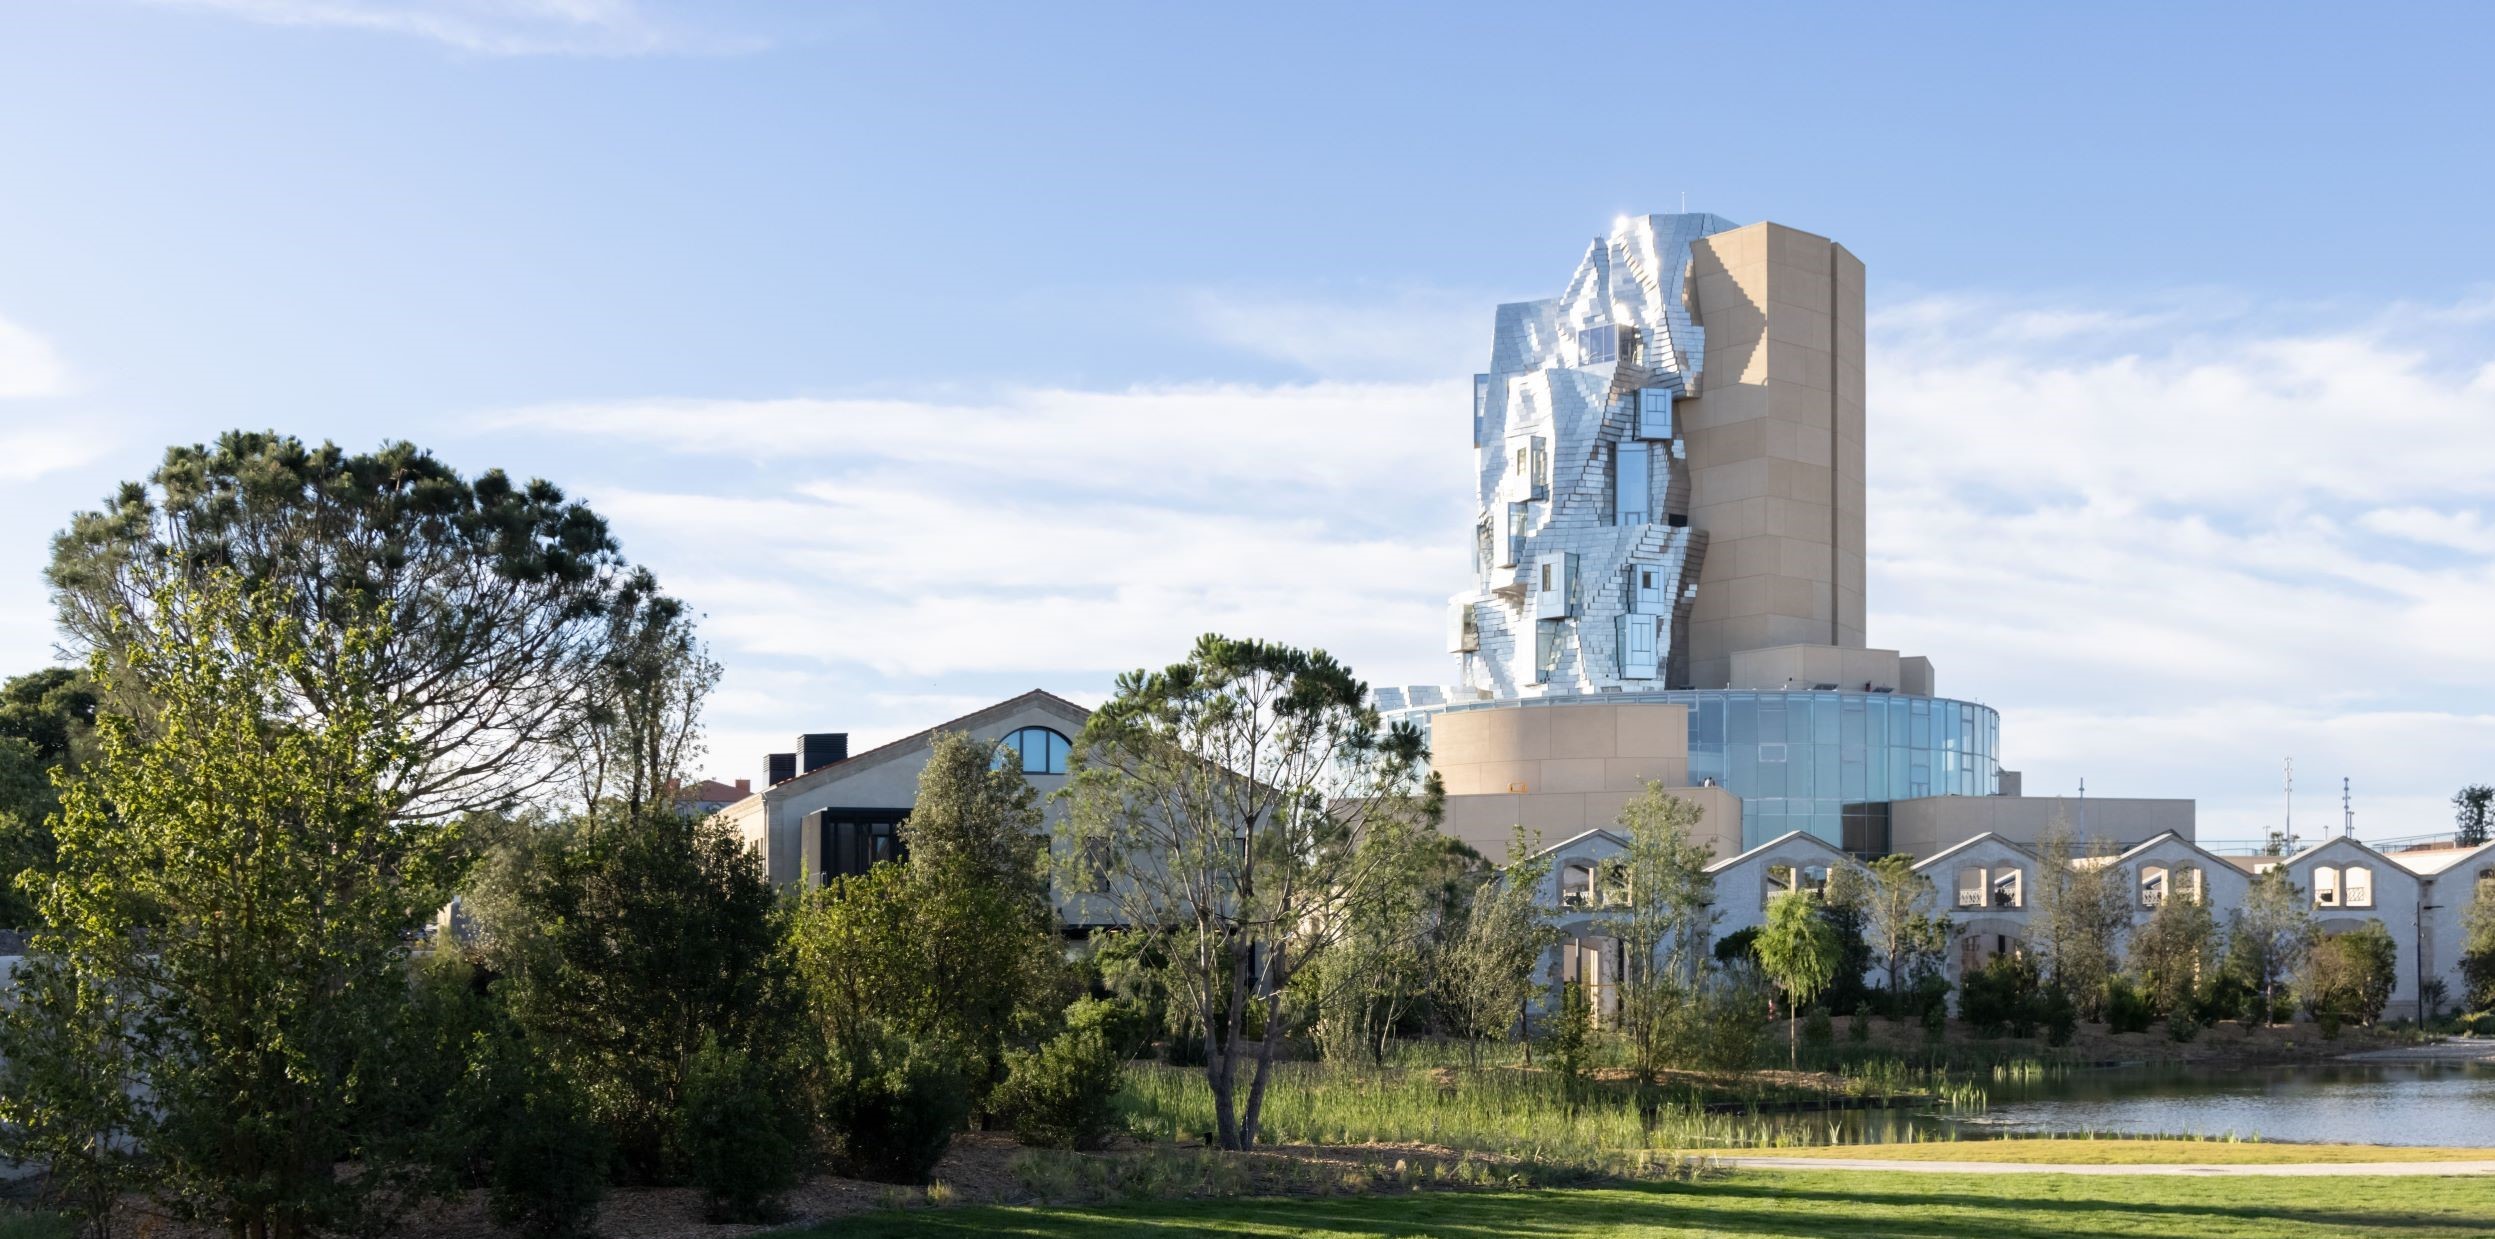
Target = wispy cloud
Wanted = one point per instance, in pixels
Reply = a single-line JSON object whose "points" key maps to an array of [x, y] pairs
{"points": [[2172, 547], [29, 366], [2176, 550], [494, 27]]}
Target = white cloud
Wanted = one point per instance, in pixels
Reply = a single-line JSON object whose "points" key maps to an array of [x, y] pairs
{"points": [[2177, 550], [30, 367], [1411, 333], [490, 27], [2172, 547]]}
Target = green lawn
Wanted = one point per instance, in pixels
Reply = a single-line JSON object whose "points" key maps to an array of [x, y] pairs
{"points": [[2112, 1152], [1785, 1206]]}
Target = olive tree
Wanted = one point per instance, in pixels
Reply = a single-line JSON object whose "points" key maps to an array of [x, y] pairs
{"points": [[1799, 952], [1242, 802]]}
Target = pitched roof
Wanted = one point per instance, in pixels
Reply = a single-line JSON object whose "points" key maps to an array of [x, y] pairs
{"points": [[1571, 841], [2163, 837], [2436, 860], [1040, 697], [1970, 841], [1812, 839]]}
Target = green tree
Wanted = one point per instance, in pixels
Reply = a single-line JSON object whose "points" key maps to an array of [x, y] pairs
{"points": [[1391, 944], [1798, 952], [47, 721], [637, 730], [642, 937], [226, 930], [2176, 953], [2267, 937], [496, 593], [1235, 797], [1901, 917], [2477, 949], [2349, 976], [956, 948], [2081, 910], [1662, 901], [1487, 976], [2471, 807]]}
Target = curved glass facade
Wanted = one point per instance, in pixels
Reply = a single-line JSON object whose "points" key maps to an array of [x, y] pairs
{"points": [[1824, 762]]}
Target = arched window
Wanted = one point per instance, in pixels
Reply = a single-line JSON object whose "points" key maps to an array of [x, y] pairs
{"points": [[1040, 749]]}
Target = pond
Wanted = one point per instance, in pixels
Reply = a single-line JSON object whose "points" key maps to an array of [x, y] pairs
{"points": [[2450, 1103], [2363, 1103]]}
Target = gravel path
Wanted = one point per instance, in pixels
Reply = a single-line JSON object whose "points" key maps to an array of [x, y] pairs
{"points": [[2286, 1169]]}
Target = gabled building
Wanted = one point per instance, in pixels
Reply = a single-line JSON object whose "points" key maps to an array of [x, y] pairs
{"points": [[827, 812]]}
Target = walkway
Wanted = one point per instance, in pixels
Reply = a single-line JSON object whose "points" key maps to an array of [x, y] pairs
{"points": [[2286, 1169]]}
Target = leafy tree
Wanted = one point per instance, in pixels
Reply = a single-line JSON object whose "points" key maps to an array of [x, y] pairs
{"points": [[2471, 808], [1487, 976], [2007, 994], [2267, 937], [1236, 796], [47, 721], [1664, 899], [226, 930], [976, 820], [2176, 953], [645, 935], [1901, 916], [1391, 944], [2081, 910], [958, 945], [1799, 953], [637, 730], [1568, 1040], [2349, 976], [2477, 950], [496, 593]]}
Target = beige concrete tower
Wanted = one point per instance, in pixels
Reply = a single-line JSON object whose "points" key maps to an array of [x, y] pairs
{"points": [[1775, 441]]}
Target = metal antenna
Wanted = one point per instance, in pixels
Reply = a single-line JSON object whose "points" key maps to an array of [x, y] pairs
{"points": [[1684, 202], [2347, 809], [2291, 806]]}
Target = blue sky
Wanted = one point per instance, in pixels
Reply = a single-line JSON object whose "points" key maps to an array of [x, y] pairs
{"points": [[938, 351]]}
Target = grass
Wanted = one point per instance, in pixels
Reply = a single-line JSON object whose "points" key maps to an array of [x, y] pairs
{"points": [[2072, 1150], [1521, 1113], [21, 1224], [1783, 1206]]}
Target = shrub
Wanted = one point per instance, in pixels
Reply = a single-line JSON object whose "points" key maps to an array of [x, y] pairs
{"points": [[1818, 1029], [2180, 1025], [1126, 1024], [2001, 996], [890, 1109], [1729, 1013], [742, 1142], [1064, 1094], [2127, 1009], [1858, 1029], [1737, 946], [550, 1159], [2059, 1015], [1568, 1038]]}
